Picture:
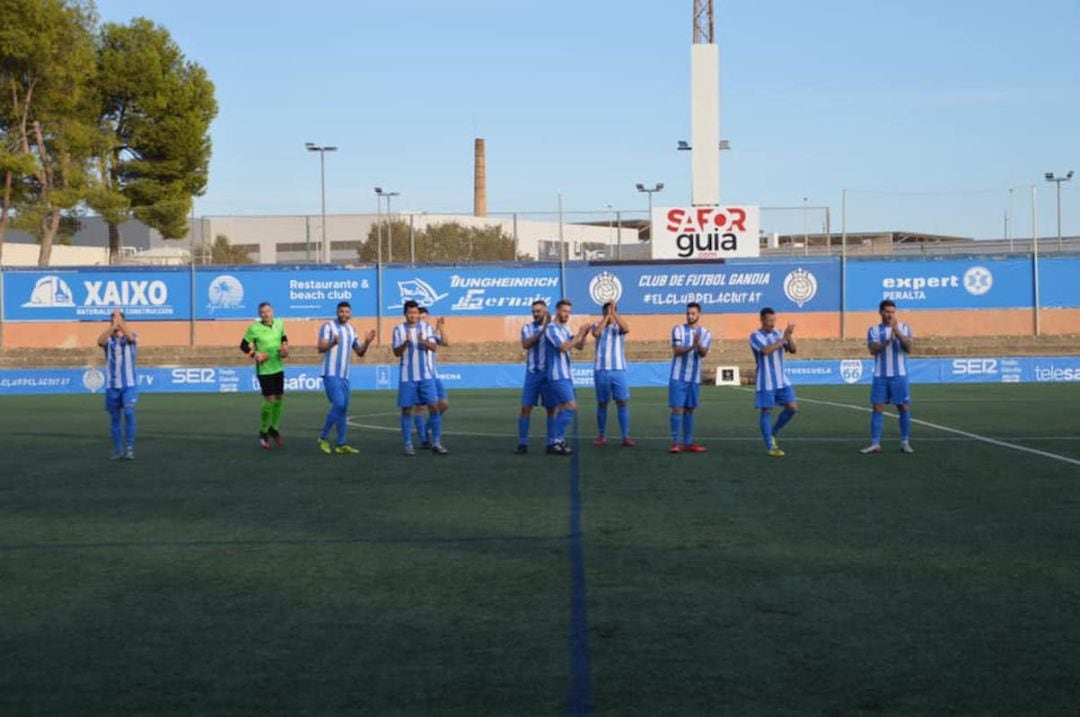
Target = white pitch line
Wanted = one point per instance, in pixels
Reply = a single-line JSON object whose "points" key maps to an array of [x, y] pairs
{"points": [[956, 431], [722, 439]]}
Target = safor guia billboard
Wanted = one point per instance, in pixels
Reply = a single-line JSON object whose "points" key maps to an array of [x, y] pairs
{"points": [[694, 233]]}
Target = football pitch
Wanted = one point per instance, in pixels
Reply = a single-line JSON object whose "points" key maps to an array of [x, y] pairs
{"points": [[211, 576]]}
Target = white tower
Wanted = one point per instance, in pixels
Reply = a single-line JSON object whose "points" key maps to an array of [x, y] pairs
{"points": [[704, 109]]}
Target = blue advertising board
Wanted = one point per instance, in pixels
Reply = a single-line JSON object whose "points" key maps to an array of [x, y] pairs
{"points": [[92, 294], [487, 291], [296, 293], [1059, 282], [737, 286], [232, 379], [921, 284]]}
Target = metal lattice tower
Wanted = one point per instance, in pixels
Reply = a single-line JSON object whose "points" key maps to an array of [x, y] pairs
{"points": [[703, 22]]}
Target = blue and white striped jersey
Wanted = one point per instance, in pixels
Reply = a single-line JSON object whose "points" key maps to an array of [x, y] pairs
{"points": [[610, 349], [417, 363], [336, 360], [120, 362], [688, 366], [558, 361], [770, 368], [892, 361], [536, 355]]}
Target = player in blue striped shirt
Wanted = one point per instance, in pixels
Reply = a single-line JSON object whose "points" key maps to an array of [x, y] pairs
{"points": [[889, 343], [690, 343], [121, 384], [423, 428], [414, 343], [559, 341], [773, 386], [610, 373], [337, 342], [536, 387]]}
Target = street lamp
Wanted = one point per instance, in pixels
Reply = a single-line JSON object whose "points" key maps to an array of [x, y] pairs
{"points": [[389, 221], [312, 147], [1058, 180]]}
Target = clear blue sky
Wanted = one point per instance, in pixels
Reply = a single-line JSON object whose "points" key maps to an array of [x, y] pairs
{"points": [[587, 97]]}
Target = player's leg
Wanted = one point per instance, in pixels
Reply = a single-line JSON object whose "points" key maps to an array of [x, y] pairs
{"points": [[879, 396], [551, 405], [785, 397], [428, 394], [419, 424], [763, 402], [407, 398], [331, 390], [620, 391], [902, 396], [692, 394], [267, 410], [443, 405], [129, 397], [603, 397], [567, 411], [278, 400], [341, 415], [114, 405], [676, 401], [530, 396]]}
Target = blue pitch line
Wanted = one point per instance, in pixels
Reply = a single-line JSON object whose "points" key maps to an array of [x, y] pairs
{"points": [[285, 542], [579, 696]]}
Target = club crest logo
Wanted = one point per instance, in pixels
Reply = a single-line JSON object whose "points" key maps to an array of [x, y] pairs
{"points": [[605, 287], [851, 370], [419, 291], [225, 292], [50, 291], [978, 280], [800, 286], [93, 379]]}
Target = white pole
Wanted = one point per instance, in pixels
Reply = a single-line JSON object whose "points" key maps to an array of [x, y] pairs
{"points": [[843, 263], [1035, 254]]}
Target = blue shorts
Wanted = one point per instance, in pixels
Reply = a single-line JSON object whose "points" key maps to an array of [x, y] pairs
{"points": [[117, 398], [683, 394], [890, 390], [417, 393], [611, 384], [562, 391], [440, 389], [337, 390], [776, 397], [537, 389]]}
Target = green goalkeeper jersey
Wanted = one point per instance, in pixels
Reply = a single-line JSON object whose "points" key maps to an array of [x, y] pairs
{"points": [[267, 340]]}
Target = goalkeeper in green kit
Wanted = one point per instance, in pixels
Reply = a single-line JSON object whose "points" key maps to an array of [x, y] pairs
{"points": [[265, 342]]}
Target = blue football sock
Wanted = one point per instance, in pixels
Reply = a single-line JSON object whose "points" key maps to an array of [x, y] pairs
{"points": [[329, 423], [676, 426], [905, 425], [434, 422], [623, 413], [782, 420], [342, 424], [406, 428], [523, 430], [877, 423], [551, 428], [688, 428], [765, 422], [129, 425], [564, 419], [601, 421], [418, 421], [114, 430]]}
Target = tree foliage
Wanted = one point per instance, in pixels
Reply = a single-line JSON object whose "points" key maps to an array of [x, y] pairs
{"points": [[115, 121], [445, 242], [155, 113], [222, 252]]}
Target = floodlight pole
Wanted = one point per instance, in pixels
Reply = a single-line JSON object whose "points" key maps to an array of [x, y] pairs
{"points": [[1058, 180], [322, 150]]}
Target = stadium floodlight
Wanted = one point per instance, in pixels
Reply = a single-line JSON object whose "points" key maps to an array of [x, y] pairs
{"points": [[1058, 180], [382, 194], [322, 150], [683, 146], [658, 187]]}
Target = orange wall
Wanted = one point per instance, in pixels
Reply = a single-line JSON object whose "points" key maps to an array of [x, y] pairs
{"points": [[652, 327]]}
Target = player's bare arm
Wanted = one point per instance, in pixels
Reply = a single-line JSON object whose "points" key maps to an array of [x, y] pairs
{"points": [[702, 349], [583, 334], [789, 337], [369, 338], [327, 344], [440, 331], [905, 341]]}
